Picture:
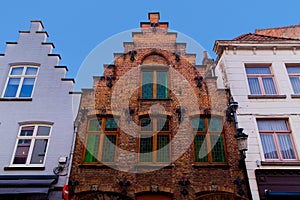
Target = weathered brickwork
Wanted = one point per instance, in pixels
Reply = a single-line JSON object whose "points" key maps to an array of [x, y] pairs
{"points": [[157, 48]]}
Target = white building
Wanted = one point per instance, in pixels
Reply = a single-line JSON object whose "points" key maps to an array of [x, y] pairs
{"points": [[262, 73], [36, 120]]}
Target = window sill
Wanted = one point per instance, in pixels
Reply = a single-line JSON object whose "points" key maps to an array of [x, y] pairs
{"points": [[142, 99], [15, 99], [155, 165], [275, 96], [295, 96], [96, 166], [211, 165], [29, 168], [280, 163]]}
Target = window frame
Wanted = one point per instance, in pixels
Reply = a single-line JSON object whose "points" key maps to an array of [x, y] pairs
{"points": [[207, 133], [154, 140], [102, 133], [33, 138], [154, 69], [293, 75], [260, 78], [22, 77], [275, 139]]}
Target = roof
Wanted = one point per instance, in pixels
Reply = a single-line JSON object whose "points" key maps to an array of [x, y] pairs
{"points": [[258, 37]]}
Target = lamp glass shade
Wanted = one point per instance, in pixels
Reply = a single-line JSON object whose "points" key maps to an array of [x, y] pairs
{"points": [[242, 143]]}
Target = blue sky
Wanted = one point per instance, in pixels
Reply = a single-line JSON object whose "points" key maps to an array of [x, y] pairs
{"points": [[77, 27]]}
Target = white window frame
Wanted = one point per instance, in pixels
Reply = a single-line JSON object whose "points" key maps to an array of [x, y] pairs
{"points": [[33, 138], [22, 76]]}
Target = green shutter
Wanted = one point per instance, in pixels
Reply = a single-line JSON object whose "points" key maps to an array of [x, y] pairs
{"points": [[95, 125], [163, 149], [162, 85], [147, 85], [92, 148], [200, 149]]}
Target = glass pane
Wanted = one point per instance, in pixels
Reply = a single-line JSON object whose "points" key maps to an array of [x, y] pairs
{"points": [[12, 87], [258, 70], [16, 71], [146, 125], [286, 146], [162, 85], [27, 87], [95, 125], [163, 148], [111, 125], [295, 81], [146, 149], [31, 71], [198, 125], [215, 125], [27, 131], [254, 86], [39, 151], [272, 125], [22, 152], [269, 147], [269, 86], [43, 131], [147, 85], [163, 124], [218, 154], [293, 70], [200, 149], [109, 145], [92, 148]]}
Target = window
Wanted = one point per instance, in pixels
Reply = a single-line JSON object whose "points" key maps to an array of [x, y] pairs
{"points": [[208, 141], [276, 139], [31, 146], [261, 80], [294, 75], [154, 84], [20, 82], [101, 140], [154, 140]]}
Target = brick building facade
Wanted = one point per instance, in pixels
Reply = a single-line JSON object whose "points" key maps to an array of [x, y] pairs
{"points": [[155, 120]]}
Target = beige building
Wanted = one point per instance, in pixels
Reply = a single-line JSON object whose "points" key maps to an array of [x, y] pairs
{"points": [[262, 71]]}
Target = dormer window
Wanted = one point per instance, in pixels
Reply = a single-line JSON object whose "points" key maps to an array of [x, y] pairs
{"points": [[20, 82]]}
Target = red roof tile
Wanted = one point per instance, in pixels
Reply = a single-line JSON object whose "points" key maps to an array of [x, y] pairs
{"points": [[257, 37]]}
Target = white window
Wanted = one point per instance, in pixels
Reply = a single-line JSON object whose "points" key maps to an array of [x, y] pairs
{"points": [[276, 139], [20, 82], [294, 75], [31, 145]]}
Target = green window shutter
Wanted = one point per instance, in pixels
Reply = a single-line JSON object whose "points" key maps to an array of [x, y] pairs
{"points": [[200, 149], [92, 148], [218, 154], [109, 146], [163, 149], [146, 147], [162, 85], [147, 85]]}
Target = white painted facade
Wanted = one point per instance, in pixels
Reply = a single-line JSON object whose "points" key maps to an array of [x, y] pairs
{"points": [[51, 103], [233, 55]]}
